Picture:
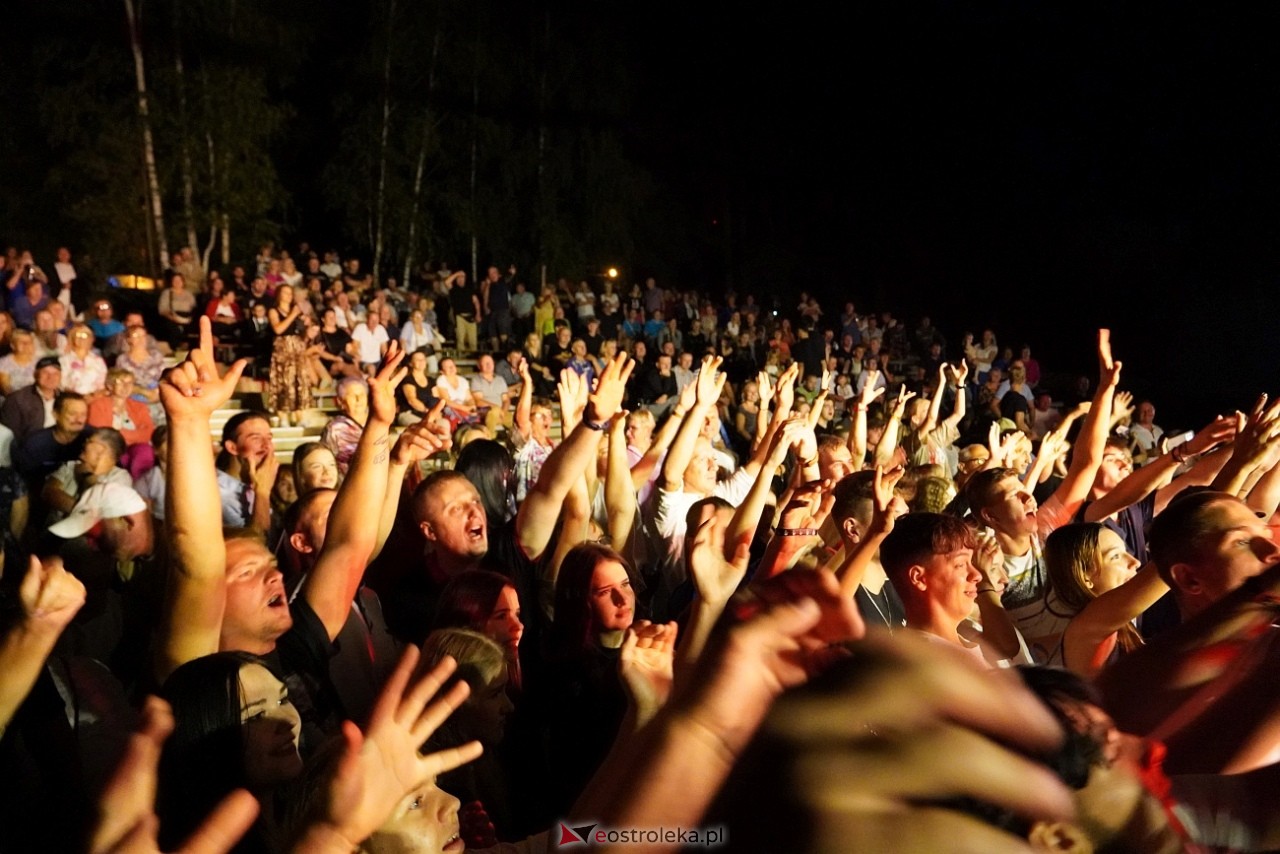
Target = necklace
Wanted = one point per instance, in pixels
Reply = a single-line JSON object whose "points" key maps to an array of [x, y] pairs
{"points": [[883, 612]]}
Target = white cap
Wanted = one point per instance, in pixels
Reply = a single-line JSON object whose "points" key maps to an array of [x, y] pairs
{"points": [[100, 501]]}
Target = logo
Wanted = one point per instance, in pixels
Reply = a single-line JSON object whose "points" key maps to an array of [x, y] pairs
{"points": [[575, 835]]}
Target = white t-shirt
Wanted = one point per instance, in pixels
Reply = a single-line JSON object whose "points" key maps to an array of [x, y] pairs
{"points": [[369, 341]]}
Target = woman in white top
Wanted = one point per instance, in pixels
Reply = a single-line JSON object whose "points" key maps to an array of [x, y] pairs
{"points": [[460, 403], [982, 355], [417, 333]]}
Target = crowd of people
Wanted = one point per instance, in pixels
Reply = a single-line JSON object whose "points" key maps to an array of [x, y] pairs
{"points": [[597, 560]]}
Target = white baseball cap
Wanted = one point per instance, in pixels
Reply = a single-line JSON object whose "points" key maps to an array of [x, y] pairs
{"points": [[100, 501]]}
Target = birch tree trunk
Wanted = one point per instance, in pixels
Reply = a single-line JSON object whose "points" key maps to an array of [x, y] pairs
{"points": [[184, 127], [421, 166], [148, 147], [380, 208]]}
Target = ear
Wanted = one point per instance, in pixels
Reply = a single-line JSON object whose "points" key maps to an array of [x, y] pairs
{"points": [[1058, 836], [917, 577], [1185, 578], [849, 528], [427, 531], [300, 543]]}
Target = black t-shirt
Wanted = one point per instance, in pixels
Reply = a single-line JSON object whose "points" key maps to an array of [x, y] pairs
{"points": [[461, 301], [1012, 403], [301, 659], [335, 343]]}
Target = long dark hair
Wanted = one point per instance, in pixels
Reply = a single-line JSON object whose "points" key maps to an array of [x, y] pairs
{"points": [[468, 600], [203, 760], [490, 468], [573, 631]]}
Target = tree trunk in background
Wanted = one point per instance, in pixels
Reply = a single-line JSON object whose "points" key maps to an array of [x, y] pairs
{"points": [[421, 167], [188, 180], [380, 209], [148, 147], [213, 205], [475, 150]]}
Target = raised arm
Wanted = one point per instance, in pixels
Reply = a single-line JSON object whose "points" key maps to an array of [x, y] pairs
{"points": [[1084, 645], [619, 492], [858, 433], [642, 470], [961, 408], [536, 519], [1092, 441], [762, 419], [1251, 448], [524, 407], [416, 444], [888, 443], [354, 520], [50, 597], [746, 518], [280, 325], [886, 510], [1158, 473], [194, 598], [709, 382]]}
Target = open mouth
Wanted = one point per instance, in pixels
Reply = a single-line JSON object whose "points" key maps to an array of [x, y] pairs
{"points": [[476, 533], [454, 843], [276, 601]]}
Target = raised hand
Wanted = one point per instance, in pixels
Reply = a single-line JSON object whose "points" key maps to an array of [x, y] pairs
{"points": [[871, 390], [572, 390], [902, 726], [809, 507], [378, 768], [887, 506], [988, 560], [716, 575], [1121, 407], [765, 387], [262, 475], [961, 373], [1108, 366], [382, 386], [688, 397], [50, 595], [605, 401], [900, 405], [127, 822], [646, 663], [709, 381], [1219, 430], [193, 390], [786, 390], [422, 439]]}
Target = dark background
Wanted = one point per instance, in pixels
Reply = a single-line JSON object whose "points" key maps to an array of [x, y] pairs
{"points": [[1041, 169]]}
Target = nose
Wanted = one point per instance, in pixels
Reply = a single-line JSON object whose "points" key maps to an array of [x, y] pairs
{"points": [[1266, 548], [618, 598], [974, 575]]}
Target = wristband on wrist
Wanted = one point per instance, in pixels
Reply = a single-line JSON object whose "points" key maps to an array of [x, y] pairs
{"points": [[1180, 454], [598, 426], [797, 532], [812, 461]]}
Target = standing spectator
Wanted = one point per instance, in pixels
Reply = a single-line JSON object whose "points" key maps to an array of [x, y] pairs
{"points": [[465, 303], [66, 275], [521, 311], [497, 308], [289, 383]]}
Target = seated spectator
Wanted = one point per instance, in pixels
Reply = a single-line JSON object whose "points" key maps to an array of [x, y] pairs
{"points": [[103, 324], [42, 451], [177, 310], [491, 393], [342, 433], [460, 404], [30, 409], [50, 340], [99, 461], [119, 410], [32, 301], [371, 342], [83, 370], [18, 368], [246, 471]]}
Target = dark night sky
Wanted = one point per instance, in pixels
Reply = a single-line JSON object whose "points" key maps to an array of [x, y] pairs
{"points": [[1043, 168]]}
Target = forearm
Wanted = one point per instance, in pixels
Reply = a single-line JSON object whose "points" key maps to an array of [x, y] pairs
{"points": [[542, 506], [354, 527], [888, 443], [998, 631], [23, 652], [681, 452], [619, 492], [1134, 488], [854, 568], [858, 437], [390, 506]]}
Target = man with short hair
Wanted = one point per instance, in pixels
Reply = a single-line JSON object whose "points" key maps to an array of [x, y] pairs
{"points": [[31, 408], [41, 452], [371, 341], [464, 301], [877, 600], [247, 474], [99, 462], [490, 390]]}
